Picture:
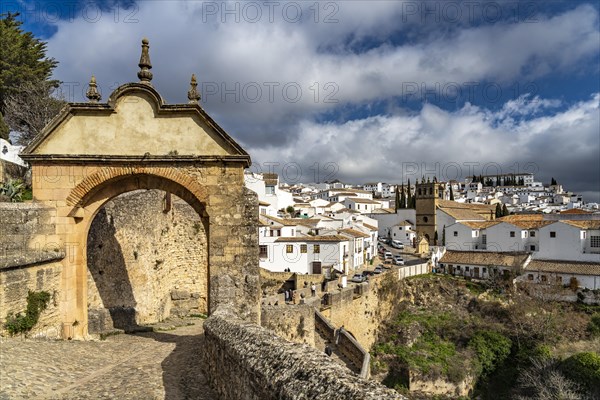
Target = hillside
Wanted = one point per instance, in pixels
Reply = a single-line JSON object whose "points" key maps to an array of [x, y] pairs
{"points": [[451, 338]]}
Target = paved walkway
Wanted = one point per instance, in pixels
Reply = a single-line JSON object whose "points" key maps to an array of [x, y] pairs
{"points": [[153, 365]]}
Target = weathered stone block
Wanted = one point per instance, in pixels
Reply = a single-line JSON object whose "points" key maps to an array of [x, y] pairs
{"points": [[180, 295]]}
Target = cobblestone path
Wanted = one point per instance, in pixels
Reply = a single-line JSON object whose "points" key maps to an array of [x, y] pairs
{"points": [[153, 365]]}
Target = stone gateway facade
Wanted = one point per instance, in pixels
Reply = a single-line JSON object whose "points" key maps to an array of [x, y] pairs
{"points": [[93, 152]]}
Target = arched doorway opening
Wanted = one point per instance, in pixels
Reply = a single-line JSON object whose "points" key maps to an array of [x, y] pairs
{"points": [[147, 260], [127, 221]]}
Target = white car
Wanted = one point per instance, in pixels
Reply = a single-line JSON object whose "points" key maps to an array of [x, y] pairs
{"points": [[398, 260], [387, 254], [397, 244]]}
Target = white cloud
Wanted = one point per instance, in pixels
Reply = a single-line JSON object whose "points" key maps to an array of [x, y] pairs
{"points": [[309, 55]]}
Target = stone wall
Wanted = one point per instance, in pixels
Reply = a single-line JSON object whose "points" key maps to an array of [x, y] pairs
{"points": [[15, 284], [247, 362], [24, 229], [147, 260], [28, 263], [361, 315], [295, 323]]}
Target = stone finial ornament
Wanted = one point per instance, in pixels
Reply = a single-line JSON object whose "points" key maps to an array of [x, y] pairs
{"points": [[145, 65], [92, 93], [193, 94]]}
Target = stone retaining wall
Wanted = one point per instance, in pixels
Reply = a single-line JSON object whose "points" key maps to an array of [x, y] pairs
{"points": [[295, 323], [244, 361]]}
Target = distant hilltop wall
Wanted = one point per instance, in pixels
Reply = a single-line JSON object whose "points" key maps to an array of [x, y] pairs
{"points": [[247, 362]]}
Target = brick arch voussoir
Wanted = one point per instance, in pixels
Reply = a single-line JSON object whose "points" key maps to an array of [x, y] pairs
{"points": [[91, 183]]}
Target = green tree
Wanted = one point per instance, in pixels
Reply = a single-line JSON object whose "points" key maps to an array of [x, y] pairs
{"points": [[402, 197], [4, 129], [409, 196], [498, 210], [397, 200], [22, 58], [290, 210], [553, 182], [505, 211], [451, 193], [444, 235]]}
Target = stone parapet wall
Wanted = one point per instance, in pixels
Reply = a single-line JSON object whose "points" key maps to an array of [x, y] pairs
{"points": [[247, 362], [27, 228], [294, 323]]}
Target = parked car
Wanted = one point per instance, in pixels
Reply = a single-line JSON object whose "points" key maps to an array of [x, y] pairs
{"points": [[368, 273], [382, 239], [398, 260], [358, 278], [384, 266], [378, 270], [387, 254], [397, 244]]}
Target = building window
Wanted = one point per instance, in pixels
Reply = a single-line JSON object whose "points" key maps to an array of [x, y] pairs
{"points": [[559, 280], [455, 233], [289, 248], [512, 233], [552, 234], [269, 189], [532, 234], [483, 269], [303, 248], [263, 251], [544, 278], [532, 247], [425, 219], [530, 277], [316, 248], [467, 269], [595, 241]]}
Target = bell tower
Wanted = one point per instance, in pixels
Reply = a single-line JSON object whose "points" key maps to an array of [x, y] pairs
{"points": [[428, 194]]}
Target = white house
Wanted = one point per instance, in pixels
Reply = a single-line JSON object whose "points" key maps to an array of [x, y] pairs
{"points": [[266, 186], [362, 205], [480, 265], [403, 231], [10, 153], [586, 274], [357, 249], [570, 240], [305, 255]]}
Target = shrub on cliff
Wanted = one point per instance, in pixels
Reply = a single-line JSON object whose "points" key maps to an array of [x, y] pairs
{"points": [[491, 348], [584, 369]]}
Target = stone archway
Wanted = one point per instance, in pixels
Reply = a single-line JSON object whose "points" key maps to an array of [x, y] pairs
{"points": [[124, 309], [92, 152]]}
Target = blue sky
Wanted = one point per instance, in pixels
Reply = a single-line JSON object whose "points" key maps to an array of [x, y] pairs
{"points": [[360, 90]]}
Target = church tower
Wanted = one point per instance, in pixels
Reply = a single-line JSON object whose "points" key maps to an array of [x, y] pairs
{"points": [[428, 194]]}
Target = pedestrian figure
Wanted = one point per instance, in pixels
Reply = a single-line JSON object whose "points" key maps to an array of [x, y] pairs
{"points": [[313, 289], [328, 350]]}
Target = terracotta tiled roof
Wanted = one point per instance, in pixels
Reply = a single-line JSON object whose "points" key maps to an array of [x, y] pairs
{"points": [[586, 224], [328, 238], [470, 206], [462, 214], [522, 217], [370, 227], [343, 210], [282, 221], [364, 201], [501, 259], [354, 233], [479, 224], [568, 267], [575, 211], [270, 179]]}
